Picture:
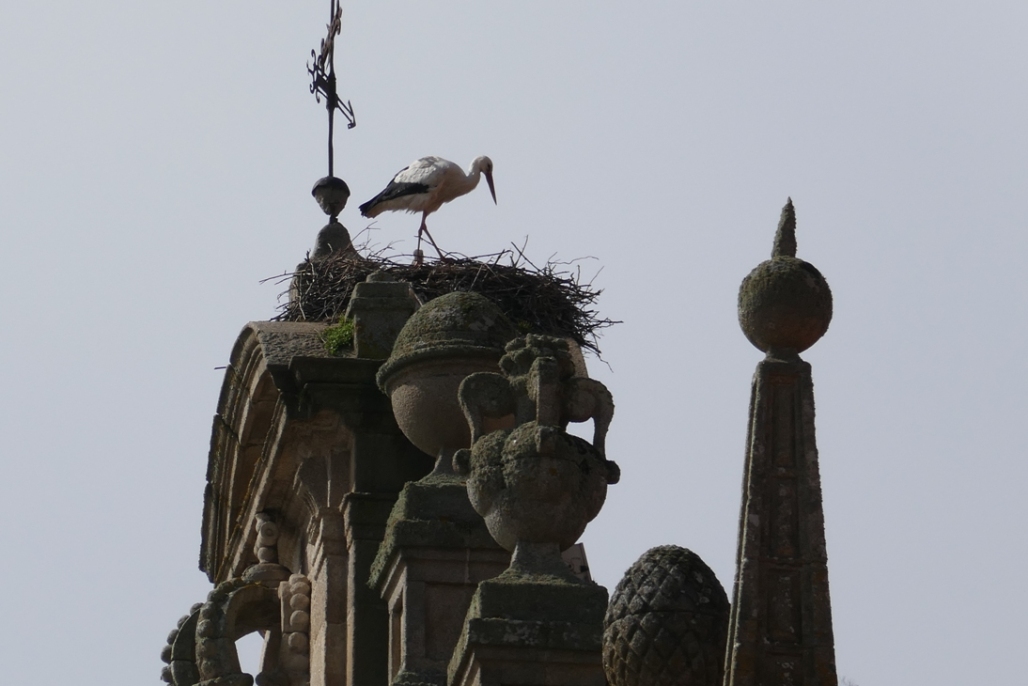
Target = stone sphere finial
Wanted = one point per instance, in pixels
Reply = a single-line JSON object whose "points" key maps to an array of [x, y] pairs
{"points": [[455, 325], [785, 304], [449, 338]]}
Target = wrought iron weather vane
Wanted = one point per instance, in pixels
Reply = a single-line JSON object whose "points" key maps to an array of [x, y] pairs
{"points": [[330, 192]]}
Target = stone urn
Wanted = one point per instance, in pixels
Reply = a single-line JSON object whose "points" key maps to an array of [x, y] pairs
{"points": [[446, 340], [536, 486]]}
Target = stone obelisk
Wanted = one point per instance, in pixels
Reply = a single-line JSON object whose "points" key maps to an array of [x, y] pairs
{"points": [[781, 623]]}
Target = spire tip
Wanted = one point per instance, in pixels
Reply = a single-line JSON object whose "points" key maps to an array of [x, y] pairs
{"points": [[785, 237]]}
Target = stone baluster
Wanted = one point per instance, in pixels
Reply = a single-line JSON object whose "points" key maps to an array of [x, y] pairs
{"points": [[265, 548], [294, 655]]}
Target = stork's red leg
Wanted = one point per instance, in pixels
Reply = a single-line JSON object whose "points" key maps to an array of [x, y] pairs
{"points": [[418, 255], [424, 229]]}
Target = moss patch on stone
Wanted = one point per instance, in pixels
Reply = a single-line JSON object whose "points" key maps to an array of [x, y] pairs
{"points": [[339, 337]]}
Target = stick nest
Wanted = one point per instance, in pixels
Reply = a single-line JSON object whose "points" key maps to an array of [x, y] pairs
{"points": [[550, 300]]}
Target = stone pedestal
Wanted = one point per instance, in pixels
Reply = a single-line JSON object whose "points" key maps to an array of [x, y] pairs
{"points": [[537, 487], [435, 553], [328, 572], [781, 625], [379, 308], [532, 631]]}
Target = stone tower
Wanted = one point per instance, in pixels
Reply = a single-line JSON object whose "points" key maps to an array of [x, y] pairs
{"points": [[338, 524], [392, 509]]}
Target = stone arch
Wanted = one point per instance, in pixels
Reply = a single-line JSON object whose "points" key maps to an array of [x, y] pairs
{"points": [[179, 654], [234, 609], [201, 651]]}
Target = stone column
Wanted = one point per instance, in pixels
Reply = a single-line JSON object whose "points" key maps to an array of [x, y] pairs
{"points": [[780, 632], [355, 647], [435, 553], [383, 461], [329, 584], [368, 621]]}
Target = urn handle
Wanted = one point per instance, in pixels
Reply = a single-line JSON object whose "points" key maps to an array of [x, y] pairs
{"points": [[485, 395], [586, 399]]}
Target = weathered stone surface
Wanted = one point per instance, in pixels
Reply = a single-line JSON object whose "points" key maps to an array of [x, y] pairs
{"points": [[537, 486], [455, 325], [379, 309], [554, 392], [430, 513], [333, 239], [425, 404], [448, 339], [294, 662], [329, 569], [531, 630], [667, 623], [266, 550], [180, 653], [367, 621], [435, 552], [781, 628], [280, 342], [785, 304], [781, 624], [306, 463], [233, 609], [533, 598]]}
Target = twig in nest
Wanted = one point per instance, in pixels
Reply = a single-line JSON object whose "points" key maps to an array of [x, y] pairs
{"points": [[548, 300]]}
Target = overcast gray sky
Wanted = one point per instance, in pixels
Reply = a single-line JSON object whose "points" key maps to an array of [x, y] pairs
{"points": [[156, 161]]}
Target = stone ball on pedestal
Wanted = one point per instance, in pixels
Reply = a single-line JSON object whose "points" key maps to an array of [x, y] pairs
{"points": [[447, 339], [785, 304]]}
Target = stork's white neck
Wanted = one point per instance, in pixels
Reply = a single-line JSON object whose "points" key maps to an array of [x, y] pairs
{"points": [[472, 177], [473, 174]]}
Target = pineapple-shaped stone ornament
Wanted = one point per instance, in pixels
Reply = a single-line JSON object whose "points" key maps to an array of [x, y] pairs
{"points": [[667, 623]]}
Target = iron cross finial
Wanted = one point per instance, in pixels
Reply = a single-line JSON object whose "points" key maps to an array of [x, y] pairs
{"points": [[323, 78]]}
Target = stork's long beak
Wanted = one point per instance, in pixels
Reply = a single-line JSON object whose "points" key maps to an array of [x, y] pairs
{"points": [[492, 188]]}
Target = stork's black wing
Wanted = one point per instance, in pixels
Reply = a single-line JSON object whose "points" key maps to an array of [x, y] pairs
{"points": [[391, 192]]}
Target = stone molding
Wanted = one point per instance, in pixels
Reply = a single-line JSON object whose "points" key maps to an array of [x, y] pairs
{"points": [[531, 631]]}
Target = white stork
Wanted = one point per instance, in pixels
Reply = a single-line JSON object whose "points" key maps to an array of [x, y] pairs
{"points": [[424, 185]]}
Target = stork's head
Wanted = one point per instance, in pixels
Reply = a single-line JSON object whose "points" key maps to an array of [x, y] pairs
{"points": [[485, 165]]}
